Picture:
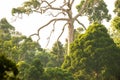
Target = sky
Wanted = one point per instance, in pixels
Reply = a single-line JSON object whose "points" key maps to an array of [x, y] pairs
{"points": [[29, 24]]}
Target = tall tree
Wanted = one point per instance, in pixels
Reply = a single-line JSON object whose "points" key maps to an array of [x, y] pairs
{"points": [[94, 55], [65, 9], [59, 52]]}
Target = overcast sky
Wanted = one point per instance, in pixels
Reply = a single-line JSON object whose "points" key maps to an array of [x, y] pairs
{"points": [[29, 24]]}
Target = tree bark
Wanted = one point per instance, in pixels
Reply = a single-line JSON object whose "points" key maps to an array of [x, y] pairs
{"points": [[70, 29], [70, 36]]}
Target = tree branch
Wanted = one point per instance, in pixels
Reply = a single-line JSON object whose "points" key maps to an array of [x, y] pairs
{"points": [[72, 2], [56, 19], [53, 20], [36, 35], [62, 31], [56, 14], [51, 33], [49, 6], [81, 24], [49, 37]]}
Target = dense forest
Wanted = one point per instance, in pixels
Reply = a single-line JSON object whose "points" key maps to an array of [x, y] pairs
{"points": [[90, 52]]}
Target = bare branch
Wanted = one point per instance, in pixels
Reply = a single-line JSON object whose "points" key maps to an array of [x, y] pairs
{"points": [[68, 1], [36, 35], [51, 14], [81, 24], [37, 11], [44, 1], [49, 37], [56, 19], [65, 4], [53, 20], [51, 33], [49, 6], [54, 26], [62, 31], [33, 34], [72, 2]]}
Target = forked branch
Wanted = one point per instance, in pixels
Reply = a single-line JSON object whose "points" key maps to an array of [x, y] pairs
{"points": [[47, 24], [81, 24], [62, 31]]}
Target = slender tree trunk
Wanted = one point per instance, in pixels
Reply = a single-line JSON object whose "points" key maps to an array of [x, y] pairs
{"points": [[70, 36], [70, 28]]}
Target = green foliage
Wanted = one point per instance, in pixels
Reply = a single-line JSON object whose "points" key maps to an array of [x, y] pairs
{"points": [[15, 45], [28, 49], [95, 55], [77, 32], [35, 70], [5, 30], [57, 48], [5, 36], [115, 30], [27, 8], [116, 23], [31, 71], [8, 69], [5, 26], [23, 69], [45, 58], [117, 7], [59, 52], [52, 58], [96, 11], [57, 74], [117, 41]]}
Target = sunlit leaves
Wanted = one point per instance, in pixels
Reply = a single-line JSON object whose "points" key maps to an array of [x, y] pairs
{"points": [[116, 23], [117, 7], [21, 10]]}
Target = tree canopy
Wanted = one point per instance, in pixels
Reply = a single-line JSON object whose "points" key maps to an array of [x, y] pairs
{"points": [[94, 54], [95, 13]]}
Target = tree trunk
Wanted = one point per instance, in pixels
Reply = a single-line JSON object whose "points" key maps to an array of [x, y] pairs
{"points": [[70, 36]]}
